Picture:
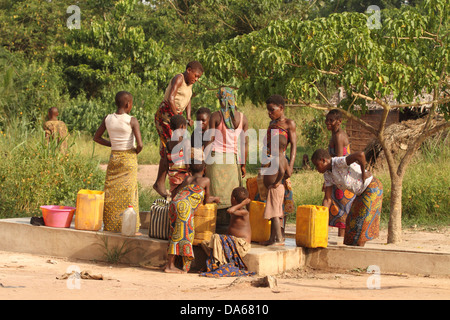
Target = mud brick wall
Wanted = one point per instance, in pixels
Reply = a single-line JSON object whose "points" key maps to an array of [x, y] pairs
{"points": [[359, 137]]}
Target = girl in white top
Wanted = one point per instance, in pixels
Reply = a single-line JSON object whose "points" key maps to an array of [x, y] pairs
{"points": [[120, 131], [121, 189], [123, 129], [363, 221]]}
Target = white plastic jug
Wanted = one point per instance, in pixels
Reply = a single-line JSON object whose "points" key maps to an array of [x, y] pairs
{"points": [[129, 220]]}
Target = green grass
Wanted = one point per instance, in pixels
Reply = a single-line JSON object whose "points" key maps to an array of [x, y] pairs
{"points": [[425, 188], [83, 144], [34, 174]]}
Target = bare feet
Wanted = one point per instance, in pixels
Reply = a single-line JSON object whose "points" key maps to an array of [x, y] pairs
{"points": [[173, 269], [273, 242], [170, 266]]}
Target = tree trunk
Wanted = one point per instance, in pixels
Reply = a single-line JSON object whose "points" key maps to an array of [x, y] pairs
{"points": [[395, 217]]}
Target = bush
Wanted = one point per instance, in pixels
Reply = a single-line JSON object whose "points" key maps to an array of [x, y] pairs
{"points": [[34, 173], [28, 89], [86, 115], [315, 131]]}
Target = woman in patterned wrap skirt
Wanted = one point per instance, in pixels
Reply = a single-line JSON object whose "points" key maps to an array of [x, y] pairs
{"points": [[121, 188]]}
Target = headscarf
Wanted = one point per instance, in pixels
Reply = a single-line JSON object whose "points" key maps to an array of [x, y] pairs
{"points": [[228, 106]]}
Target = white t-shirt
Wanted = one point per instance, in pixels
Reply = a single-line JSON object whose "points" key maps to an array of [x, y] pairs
{"points": [[346, 177], [120, 132]]}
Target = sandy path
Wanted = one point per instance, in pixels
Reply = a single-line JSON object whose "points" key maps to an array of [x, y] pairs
{"points": [[25, 276]]}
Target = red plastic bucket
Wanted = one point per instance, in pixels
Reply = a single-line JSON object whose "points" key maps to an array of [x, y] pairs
{"points": [[57, 216]]}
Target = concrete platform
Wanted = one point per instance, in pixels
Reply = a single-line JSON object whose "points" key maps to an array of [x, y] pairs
{"points": [[18, 235]]}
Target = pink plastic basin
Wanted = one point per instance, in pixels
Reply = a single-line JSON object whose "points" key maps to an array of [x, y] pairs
{"points": [[57, 216]]}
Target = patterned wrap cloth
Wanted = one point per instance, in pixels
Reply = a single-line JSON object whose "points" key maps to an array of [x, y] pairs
{"points": [[178, 170], [228, 106], [162, 124], [341, 199], [181, 215], [225, 259], [121, 189], [363, 220]]}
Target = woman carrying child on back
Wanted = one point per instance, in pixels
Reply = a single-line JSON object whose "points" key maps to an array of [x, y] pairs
{"points": [[121, 188], [280, 126], [273, 181]]}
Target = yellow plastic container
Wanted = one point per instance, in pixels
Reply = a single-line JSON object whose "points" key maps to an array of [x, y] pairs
{"points": [[204, 222], [260, 226], [312, 227], [89, 213], [252, 187]]}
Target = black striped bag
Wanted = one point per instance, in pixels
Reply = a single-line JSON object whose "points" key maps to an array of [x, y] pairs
{"points": [[159, 220]]}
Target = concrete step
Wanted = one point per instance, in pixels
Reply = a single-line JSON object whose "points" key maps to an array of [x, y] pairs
{"points": [[18, 235]]}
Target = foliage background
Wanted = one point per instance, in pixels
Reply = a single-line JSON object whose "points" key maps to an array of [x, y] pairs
{"points": [[138, 46]]}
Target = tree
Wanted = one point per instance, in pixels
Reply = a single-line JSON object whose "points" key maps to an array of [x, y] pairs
{"points": [[189, 25], [407, 57], [109, 51]]}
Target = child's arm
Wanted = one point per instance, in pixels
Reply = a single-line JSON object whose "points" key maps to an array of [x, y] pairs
{"points": [[293, 140], [208, 197], [239, 209], [209, 135], [98, 135], [289, 170], [281, 165], [188, 114], [327, 201], [359, 157], [244, 128], [137, 134]]}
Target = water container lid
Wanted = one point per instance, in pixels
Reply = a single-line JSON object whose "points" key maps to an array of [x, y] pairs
{"points": [[130, 206]]}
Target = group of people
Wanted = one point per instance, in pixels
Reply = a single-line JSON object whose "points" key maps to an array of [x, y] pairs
{"points": [[353, 195]]}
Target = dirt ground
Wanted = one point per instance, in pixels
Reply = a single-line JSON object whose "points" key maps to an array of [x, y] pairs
{"points": [[26, 276]]}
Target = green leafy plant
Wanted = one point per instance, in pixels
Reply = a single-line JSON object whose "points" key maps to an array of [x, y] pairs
{"points": [[114, 254], [36, 173]]}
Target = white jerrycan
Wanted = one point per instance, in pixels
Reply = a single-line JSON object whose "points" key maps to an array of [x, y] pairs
{"points": [[129, 219]]}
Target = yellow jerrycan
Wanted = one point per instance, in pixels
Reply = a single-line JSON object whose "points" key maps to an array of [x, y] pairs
{"points": [[89, 212], [252, 187], [204, 222], [312, 226], [260, 226]]}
